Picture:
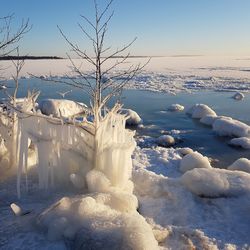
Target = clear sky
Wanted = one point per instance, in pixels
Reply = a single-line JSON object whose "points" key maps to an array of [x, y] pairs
{"points": [[163, 27]]}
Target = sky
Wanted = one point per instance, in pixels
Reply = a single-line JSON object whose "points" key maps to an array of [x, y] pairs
{"points": [[163, 27]]}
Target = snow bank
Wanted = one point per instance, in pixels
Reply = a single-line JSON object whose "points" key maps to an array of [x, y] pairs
{"points": [[101, 221], [238, 96], [194, 160], [61, 107], [231, 127], [198, 111], [176, 107], [243, 142], [216, 182], [242, 164], [166, 140], [133, 119]]}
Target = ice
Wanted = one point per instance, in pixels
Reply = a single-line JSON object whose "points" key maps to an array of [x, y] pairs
{"points": [[194, 160], [78, 181], [231, 127], [242, 164], [243, 142], [176, 107], [133, 119], [216, 182], [238, 96], [16, 209], [198, 111], [61, 107], [166, 140], [100, 221], [210, 119]]}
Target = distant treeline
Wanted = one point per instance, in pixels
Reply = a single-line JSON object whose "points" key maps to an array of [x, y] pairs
{"points": [[3, 58]]}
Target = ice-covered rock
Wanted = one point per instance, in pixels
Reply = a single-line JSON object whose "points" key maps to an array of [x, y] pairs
{"points": [[231, 127], [61, 107], [198, 111], [243, 142], [216, 182], [242, 164], [210, 119], [176, 107], [133, 118], [185, 151], [166, 140], [238, 96], [194, 160]]}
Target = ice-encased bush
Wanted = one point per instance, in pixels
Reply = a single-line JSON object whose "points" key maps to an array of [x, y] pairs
{"points": [[242, 164], [198, 111], [216, 182], [99, 221], [243, 142], [194, 160], [61, 107], [231, 127], [133, 119]]}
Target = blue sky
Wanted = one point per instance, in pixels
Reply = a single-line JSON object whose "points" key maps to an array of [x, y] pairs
{"points": [[163, 27]]}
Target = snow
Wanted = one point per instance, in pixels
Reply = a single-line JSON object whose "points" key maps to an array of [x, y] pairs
{"points": [[176, 107], [133, 119], [238, 96], [231, 127], [166, 140], [194, 160], [61, 107], [243, 142], [198, 111], [241, 164]]}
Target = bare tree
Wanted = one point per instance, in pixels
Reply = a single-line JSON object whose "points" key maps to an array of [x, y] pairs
{"points": [[104, 61]]}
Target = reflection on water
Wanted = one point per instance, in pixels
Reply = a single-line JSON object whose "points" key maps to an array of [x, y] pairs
{"points": [[152, 107]]}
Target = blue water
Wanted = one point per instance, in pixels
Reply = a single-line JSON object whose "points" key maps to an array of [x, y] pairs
{"points": [[149, 106]]}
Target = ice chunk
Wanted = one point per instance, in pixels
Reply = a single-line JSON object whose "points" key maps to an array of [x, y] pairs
{"points": [[216, 182], [133, 118], [227, 127], [166, 140], [243, 142], [194, 160], [238, 96], [242, 164], [176, 107], [198, 111], [16, 209], [58, 107]]}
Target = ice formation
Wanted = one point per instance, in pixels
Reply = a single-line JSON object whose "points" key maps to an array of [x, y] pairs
{"points": [[194, 160], [166, 140], [243, 142], [242, 164], [133, 119], [61, 107], [216, 182], [198, 111], [238, 96], [176, 107]]}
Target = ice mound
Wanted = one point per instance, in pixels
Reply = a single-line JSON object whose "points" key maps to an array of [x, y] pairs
{"points": [[61, 108], [198, 111], [231, 127], [216, 182], [185, 151], [100, 221], [133, 118], [242, 164], [210, 119], [243, 142], [238, 96], [176, 107], [166, 140], [194, 160]]}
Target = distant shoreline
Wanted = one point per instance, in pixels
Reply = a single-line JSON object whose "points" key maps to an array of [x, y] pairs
{"points": [[9, 58]]}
